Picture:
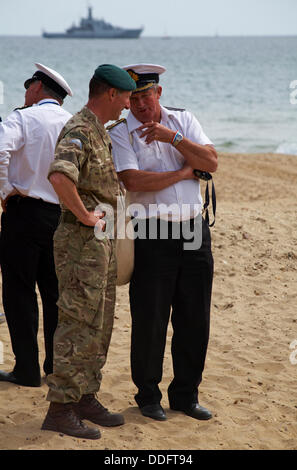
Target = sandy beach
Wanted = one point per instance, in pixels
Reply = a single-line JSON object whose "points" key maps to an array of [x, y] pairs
{"points": [[250, 378]]}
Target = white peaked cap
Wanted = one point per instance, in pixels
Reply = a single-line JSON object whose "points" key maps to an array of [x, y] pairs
{"points": [[50, 78], [146, 68], [145, 75]]}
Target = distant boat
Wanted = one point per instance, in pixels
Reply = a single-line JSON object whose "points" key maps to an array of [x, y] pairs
{"points": [[89, 28]]}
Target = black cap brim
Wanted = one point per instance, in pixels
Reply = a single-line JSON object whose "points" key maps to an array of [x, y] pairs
{"points": [[47, 81], [28, 82]]}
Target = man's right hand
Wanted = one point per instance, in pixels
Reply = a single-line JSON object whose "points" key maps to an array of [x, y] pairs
{"points": [[67, 192], [95, 218]]}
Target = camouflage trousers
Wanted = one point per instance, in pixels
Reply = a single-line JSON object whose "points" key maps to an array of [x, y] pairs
{"points": [[86, 271]]}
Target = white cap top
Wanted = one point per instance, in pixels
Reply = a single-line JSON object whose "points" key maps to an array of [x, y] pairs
{"points": [[145, 75], [56, 77], [145, 68], [50, 78]]}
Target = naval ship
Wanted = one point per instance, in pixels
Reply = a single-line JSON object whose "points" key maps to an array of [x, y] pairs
{"points": [[90, 28]]}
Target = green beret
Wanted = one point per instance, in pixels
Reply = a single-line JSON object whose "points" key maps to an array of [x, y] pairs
{"points": [[115, 76]]}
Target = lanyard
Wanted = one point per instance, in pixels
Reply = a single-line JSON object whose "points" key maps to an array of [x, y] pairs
{"points": [[49, 102]]}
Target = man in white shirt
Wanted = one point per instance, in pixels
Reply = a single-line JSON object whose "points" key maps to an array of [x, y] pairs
{"points": [[30, 216], [155, 152]]}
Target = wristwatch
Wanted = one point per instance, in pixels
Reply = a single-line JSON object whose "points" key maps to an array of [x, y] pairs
{"points": [[177, 139]]}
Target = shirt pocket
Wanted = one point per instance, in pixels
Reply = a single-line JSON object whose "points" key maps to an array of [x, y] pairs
{"points": [[149, 159]]}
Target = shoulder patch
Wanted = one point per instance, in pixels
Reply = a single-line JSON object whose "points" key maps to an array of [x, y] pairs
{"points": [[174, 109], [111, 126], [76, 142], [76, 135]]}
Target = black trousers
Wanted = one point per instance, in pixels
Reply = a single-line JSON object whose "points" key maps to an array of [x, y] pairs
{"points": [[168, 279], [26, 253]]}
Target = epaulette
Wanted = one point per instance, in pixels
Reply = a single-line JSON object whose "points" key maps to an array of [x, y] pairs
{"points": [[111, 126], [22, 107], [174, 109]]}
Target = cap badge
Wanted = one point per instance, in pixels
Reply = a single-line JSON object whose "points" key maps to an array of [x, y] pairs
{"points": [[133, 75]]}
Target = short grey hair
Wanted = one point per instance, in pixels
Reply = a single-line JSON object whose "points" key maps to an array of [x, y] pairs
{"points": [[52, 93]]}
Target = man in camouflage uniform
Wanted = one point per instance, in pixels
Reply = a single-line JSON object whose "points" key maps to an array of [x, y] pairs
{"points": [[83, 176]]}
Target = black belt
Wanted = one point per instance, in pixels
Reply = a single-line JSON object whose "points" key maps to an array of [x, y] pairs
{"points": [[33, 200], [171, 228]]}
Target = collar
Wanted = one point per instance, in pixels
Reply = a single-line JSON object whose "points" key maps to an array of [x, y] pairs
{"points": [[48, 101], [93, 118]]}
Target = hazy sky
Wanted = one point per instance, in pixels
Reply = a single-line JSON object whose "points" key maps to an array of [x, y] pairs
{"points": [[175, 18]]}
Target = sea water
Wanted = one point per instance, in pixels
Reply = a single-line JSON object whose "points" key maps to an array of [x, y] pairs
{"points": [[237, 87]]}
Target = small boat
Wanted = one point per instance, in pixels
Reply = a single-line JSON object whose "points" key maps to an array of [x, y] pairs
{"points": [[90, 28]]}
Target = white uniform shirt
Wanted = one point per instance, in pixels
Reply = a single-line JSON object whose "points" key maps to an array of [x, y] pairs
{"points": [[180, 201], [27, 144]]}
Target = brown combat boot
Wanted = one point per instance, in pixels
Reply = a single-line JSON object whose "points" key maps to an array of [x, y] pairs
{"points": [[89, 408], [62, 418]]}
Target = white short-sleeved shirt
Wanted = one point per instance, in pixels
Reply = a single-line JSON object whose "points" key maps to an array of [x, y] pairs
{"points": [[27, 144], [180, 201]]}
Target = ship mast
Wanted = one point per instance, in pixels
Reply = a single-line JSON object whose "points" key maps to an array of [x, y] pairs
{"points": [[90, 17]]}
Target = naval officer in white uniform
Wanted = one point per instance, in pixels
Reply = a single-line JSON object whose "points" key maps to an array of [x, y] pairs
{"points": [[155, 152], [30, 216]]}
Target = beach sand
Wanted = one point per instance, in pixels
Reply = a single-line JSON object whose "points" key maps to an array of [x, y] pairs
{"points": [[250, 377]]}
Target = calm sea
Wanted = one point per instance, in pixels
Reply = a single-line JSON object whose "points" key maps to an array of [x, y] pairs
{"points": [[238, 88]]}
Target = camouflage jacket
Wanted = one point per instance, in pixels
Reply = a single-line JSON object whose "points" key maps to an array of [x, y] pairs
{"points": [[83, 154]]}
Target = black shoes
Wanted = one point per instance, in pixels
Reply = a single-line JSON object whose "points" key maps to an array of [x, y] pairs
{"points": [[10, 377], [196, 411], [154, 411]]}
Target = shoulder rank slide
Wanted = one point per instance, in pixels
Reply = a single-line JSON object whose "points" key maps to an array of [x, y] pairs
{"points": [[22, 107], [111, 126], [173, 109]]}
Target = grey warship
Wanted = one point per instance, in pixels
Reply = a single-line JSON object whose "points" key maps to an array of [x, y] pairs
{"points": [[90, 28]]}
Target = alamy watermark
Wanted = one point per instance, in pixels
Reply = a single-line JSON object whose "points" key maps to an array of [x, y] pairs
{"points": [[155, 221]]}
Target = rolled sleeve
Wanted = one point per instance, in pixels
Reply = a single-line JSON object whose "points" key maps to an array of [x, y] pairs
{"points": [[123, 153], [194, 131], [67, 168]]}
